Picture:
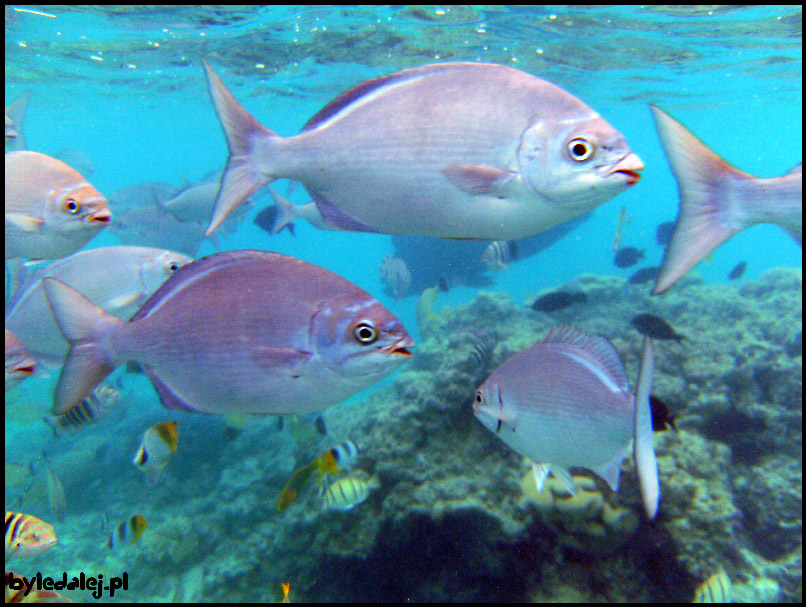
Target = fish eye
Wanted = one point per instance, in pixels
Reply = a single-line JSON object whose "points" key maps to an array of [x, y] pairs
{"points": [[71, 206], [172, 266], [365, 333], [479, 397], [580, 149]]}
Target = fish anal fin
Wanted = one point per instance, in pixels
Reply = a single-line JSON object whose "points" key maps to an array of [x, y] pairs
{"points": [[168, 398]]}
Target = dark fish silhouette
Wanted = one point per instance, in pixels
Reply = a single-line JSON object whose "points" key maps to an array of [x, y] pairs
{"points": [[628, 256], [654, 326], [266, 218], [558, 300], [644, 275], [738, 270], [663, 233], [662, 418]]}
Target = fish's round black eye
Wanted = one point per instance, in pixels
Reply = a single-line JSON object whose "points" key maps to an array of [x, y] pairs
{"points": [[71, 206], [479, 397], [580, 149], [172, 266], [365, 333]]}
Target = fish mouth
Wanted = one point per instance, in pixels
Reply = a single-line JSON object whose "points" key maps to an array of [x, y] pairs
{"points": [[104, 216], [25, 370], [630, 166], [401, 347]]}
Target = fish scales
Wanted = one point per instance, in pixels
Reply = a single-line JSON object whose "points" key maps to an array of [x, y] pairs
{"points": [[451, 150]]}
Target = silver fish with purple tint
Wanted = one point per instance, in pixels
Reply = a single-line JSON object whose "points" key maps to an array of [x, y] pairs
{"points": [[51, 210], [456, 150], [566, 402], [118, 279], [717, 201], [237, 332], [396, 275]]}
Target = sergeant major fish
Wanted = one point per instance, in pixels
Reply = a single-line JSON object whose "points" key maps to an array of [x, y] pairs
{"points": [[346, 493], [236, 332], [51, 210], [718, 201], [456, 150], [566, 402], [333, 461]]}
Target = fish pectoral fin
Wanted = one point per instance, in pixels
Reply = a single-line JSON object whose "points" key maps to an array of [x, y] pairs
{"points": [[23, 222], [123, 301], [565, 478], [281, 358], [541, 473], [478, 179]]}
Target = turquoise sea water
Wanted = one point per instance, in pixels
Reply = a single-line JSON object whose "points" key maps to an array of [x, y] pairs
{"points": [[125, 86]]}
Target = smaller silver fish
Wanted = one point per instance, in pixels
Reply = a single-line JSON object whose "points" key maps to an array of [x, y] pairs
{"points": [[566, 402], [51, 209], [396, 275], [56, 497], [348, 492], [718, 201]]}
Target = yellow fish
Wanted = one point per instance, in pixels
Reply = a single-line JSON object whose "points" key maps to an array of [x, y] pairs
{"points": [[27, 536], [716, 589], [333, 461], [127, 532], [349, 492]]}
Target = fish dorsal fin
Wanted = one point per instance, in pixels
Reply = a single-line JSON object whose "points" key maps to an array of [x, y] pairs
{"points": [[375, 85], [597, 348]]}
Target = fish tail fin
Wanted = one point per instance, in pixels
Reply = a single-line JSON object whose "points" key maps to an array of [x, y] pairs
{"points": [[286, 213], [646, 464], [709, 212], [243, 176], [82, 323]]}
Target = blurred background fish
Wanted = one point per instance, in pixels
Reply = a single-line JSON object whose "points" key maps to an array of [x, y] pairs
{"points": [[15, 117], [333, 461], [127, 532], [101, 402], [499, 254], [159, 443], [395, 275], [118, 279]]}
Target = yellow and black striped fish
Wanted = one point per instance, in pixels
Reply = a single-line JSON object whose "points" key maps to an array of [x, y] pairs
{"points": [[27, 536], [716, 589], [127, 532], [96, 406], [349, 492]]}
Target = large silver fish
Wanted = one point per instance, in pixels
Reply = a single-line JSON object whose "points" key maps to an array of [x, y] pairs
{"points": [[718, 201], [457, 150], [118, 279], [566, 402], [241, 331], [51, 210]]}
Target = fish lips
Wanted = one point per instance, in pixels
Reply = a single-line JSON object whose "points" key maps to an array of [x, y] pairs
{"points": [[630, 166], [401, 347], [102, 216]]}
